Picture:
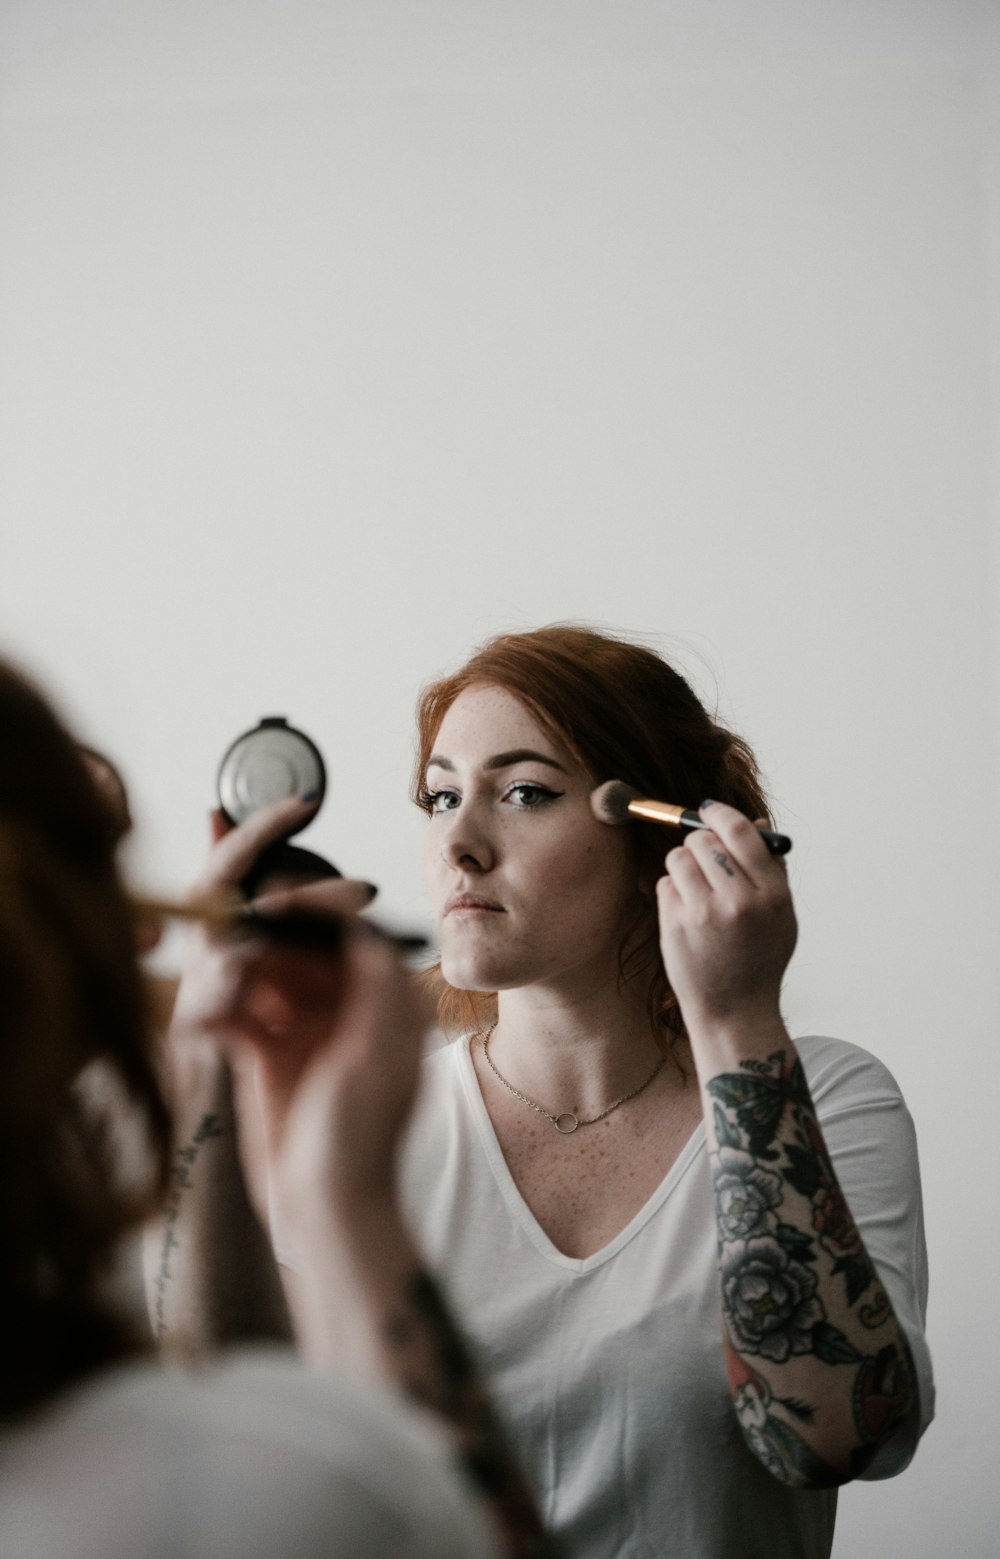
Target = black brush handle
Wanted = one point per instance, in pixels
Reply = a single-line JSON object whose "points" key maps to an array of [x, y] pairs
{"points": [[315, 932], [778, 844]]}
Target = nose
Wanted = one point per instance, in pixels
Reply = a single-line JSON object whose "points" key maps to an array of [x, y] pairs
{"points": [[466, 841]]}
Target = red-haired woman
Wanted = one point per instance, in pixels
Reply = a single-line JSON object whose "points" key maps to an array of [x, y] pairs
{"points": [[626, 1141], [102, 1452], [624, 1147]]}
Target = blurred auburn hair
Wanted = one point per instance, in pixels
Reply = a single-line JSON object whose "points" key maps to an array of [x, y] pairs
{"points": [[623, 713], [72, 1004]]}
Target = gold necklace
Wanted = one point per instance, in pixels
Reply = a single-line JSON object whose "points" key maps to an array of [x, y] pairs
{"points": [[566, 1121]]}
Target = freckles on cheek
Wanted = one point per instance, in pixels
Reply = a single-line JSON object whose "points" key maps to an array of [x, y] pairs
{"points": [[430, 857]]}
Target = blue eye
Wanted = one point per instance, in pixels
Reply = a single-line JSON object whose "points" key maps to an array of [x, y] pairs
{"points": [[438, 801], [531, 796]]}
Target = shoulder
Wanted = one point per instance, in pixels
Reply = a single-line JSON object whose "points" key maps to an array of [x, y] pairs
{"points": [[441, 1113], [838, 1071], [443, 1059], [443, 1079], [253, 1446]]}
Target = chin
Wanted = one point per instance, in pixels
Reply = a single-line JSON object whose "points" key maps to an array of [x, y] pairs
{"points": [[461, 978], [475, 974]]}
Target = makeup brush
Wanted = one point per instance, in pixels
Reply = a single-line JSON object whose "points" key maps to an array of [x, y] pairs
{"points": [[615, 802], [307, 929]]}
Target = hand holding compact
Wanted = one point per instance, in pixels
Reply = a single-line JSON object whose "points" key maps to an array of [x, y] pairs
{"points": [[247, 985], [334, 1118], [727, 925]]}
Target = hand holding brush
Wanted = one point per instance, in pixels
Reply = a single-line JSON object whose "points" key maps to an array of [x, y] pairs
{"points": [[615, 802]]}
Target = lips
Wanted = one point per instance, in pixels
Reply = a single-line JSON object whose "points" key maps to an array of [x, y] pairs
{"points": [[472, 902]]}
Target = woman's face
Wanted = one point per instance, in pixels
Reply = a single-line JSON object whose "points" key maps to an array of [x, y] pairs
{"points": [[527, 887]]}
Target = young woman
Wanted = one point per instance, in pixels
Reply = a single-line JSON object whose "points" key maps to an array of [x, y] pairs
{"points": [[102, 1453], [688, 1251], [627, 1147]]}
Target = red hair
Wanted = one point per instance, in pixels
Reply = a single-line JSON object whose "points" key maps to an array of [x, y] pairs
{"points": [[625, 714]]}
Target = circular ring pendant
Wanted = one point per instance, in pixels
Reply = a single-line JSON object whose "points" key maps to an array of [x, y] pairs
{"points": [[570, 1120]]}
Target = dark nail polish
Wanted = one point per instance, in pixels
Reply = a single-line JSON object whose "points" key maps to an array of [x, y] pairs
{"points": [[372, 890], [706, 804], [309, 795]]}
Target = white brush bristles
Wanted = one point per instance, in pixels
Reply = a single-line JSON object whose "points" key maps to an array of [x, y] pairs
{"points": [[609, 802]]}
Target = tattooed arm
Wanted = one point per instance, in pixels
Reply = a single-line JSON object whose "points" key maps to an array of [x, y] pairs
{"points": [[333, 1122], [329, 1096], [819, 1369], [210, 1273], [365, 1297]]}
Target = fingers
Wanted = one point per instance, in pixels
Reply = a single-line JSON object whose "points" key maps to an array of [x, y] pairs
{"points": [[685, 877], [735, 837], [235, 850], [377, 985], [299, 997], [719, 862]]}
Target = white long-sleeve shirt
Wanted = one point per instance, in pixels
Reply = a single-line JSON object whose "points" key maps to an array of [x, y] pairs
{"points": [[609, 1370]]}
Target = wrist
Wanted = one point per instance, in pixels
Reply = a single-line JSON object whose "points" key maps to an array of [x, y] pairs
{"points": [[366, 1234], [721, 1041], [353, 1268]]}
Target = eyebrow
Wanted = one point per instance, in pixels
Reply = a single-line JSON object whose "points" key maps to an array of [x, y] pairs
{"points": [[502, 760]]}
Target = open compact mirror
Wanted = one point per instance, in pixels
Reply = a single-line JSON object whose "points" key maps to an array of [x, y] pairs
{"points": [[270, 763]]}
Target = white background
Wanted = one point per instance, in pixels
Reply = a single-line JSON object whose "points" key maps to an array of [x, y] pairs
{"points": [[334, 337]]}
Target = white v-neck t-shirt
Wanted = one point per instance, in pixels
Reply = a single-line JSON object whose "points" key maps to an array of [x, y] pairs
{"points": [[609, 1369]]}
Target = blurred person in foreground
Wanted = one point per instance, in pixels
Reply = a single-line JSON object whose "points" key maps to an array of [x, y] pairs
{"points": [[103, 1452]]}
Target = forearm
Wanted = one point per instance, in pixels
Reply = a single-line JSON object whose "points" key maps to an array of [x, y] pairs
{"points": [[819, 1370], [210, 1273], [368, 1295]]}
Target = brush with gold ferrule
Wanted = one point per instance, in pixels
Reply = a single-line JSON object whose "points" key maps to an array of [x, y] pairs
{"points": [[615, 802]]}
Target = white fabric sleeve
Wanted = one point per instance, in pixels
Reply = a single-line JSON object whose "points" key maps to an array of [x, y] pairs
{"points": [[871, 1140]]}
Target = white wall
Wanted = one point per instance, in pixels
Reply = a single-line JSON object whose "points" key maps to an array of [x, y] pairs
{"points": [[335, 337]]}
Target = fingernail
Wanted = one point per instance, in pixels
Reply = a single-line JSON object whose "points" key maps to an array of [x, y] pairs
{"points": [[309, 795], [372, 890], [705, 805]]}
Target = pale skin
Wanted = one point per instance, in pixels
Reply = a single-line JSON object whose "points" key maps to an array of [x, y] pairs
{"points": [[567, 1036], [532, 896]]}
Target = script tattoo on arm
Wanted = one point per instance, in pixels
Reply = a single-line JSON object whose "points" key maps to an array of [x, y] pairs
{"points": [[210, 1271], [798, 1287], [433, 1364], [182, 1181]]}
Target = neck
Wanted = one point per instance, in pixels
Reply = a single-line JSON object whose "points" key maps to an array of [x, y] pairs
{"points": [[573, 1055]]}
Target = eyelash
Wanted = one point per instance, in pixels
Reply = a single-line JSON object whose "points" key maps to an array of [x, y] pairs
{"points": [[431, 797]]}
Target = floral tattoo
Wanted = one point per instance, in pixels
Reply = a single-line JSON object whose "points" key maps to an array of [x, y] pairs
{"points": [[782, 1220]]}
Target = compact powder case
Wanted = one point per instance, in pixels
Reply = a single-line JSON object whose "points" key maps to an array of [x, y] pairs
{"points": [[268, 764]]}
